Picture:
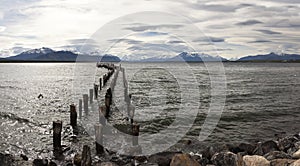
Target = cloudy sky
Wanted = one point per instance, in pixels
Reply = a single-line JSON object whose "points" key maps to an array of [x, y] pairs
{"points": [[229, 28]]}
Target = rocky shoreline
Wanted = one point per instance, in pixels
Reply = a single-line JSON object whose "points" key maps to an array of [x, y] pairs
{"points": [[284, 151]]}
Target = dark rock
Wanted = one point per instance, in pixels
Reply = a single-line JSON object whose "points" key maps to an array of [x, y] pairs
{"points": [[277, 155], [66, 149], [269, 146], [77, 159], [281, 162], [6, 159], [231, 148], [52, 163], [225, 159], [162, 158], [286, 143], [258, 150], [24, 157], [140, 159], [200, 159], [40, 162], [210, 151], [69, 164], [182, 160], [245, 147]]}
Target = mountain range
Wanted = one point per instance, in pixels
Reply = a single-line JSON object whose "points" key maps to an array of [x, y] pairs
{"points": [[271, 57], [48, 55]]}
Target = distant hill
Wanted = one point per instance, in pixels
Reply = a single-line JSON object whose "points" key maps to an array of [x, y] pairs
{"points": [[49, 55], [271, 57], [186, 57]]}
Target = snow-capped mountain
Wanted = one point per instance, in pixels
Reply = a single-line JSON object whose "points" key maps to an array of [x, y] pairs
{"points": [[271, 57], [186, 57], [32, 54], [49, 55]]}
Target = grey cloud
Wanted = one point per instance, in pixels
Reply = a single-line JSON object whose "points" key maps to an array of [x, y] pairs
{"points": [[176, 42], [285, 1], [158, 47], [217, 7], [141, 28], [268, 32], [82, 41], [128, 41], [210, 39], [249, 22], [260, 41]]}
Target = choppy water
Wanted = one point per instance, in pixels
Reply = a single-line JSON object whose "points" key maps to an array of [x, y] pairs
{"points": [[262, 99]]}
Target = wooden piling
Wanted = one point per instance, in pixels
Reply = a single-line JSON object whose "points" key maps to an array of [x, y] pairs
{"points": [[108, 100], [102, 115], [99, 138], [96, 91], [91, 96], [73, 116], [100, 83], [57, 127], [80, 108], [86, 158], [135, 134], [86, 104]]}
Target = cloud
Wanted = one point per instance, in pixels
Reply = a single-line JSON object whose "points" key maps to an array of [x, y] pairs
{"points": [[175, 42], [268, 32], [209, 39], [260, 41], [82, 41], [128, 41], [217, 7], [141, 28], [249, 22], [2, 28]]}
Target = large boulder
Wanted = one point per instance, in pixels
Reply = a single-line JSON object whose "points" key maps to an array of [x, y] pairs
{"points": [[287, 142], [211, 150], [277, 155], [183, 160], [296, 155], [225, 159], [40, 162], [281, 162], [162, 158], [266, 147], [255, 161], [245, 147], [296, 163]]}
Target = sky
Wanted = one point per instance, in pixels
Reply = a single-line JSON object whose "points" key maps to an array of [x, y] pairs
{"points": [[149, 28]]}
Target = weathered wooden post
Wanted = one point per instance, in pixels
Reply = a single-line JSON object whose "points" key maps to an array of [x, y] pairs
{"points": [[86, 158], [73, 116], [99, 138], [96, 91], [80, 108], [108, 100], [135, 134], [100, 83], [86, 104], [91, 96], [102, 115], [57, 127], [104, 80]]}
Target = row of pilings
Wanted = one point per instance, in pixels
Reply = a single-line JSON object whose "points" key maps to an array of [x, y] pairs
{"points": [[104, 111]]}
